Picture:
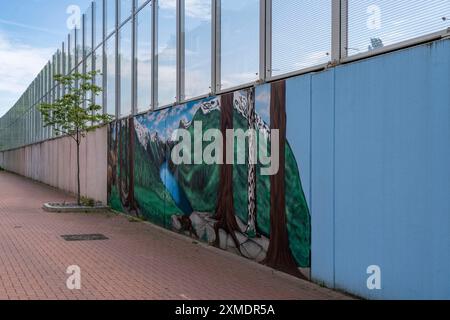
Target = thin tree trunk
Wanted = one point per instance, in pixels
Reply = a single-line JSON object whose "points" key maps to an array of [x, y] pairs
{"points": [[225, 213], [279, 255], [78, 170], [131, 200]]}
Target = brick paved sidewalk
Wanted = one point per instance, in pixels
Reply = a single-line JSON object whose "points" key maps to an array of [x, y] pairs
{"points": [[139, 261]]}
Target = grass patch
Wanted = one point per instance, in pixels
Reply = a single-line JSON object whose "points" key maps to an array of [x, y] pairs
{"points": [[134, 220], [87, 202]]}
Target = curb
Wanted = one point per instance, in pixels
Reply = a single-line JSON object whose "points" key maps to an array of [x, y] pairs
{"points": [[57, 208]]}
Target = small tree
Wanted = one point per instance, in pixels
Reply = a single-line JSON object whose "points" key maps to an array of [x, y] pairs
{"points": [[75, 114]]}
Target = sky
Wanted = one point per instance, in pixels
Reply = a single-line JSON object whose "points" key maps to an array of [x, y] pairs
{"points": [[30, 33]]}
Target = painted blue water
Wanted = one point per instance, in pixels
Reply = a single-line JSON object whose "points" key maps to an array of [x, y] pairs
{"points": [[175, 190]]}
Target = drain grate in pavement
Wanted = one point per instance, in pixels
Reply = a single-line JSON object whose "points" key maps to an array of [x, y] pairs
{"points": [[84, 237]]}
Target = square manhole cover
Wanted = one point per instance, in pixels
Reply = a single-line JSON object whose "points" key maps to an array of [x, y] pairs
{"points": [[84, 237]]}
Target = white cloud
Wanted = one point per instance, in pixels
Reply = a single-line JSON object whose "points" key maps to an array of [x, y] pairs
{"points": [[236, 78], [199, 9], [30, 27], [20, 65], [263, 95]]}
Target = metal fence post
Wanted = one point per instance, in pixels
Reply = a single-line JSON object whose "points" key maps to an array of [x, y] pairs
{"points": [[216, 47], [265, 40], [339, 30], [154, 54], [180, 64], [133, 60]]}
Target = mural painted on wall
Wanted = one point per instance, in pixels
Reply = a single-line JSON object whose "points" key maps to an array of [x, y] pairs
{"points": [[234, 207]]}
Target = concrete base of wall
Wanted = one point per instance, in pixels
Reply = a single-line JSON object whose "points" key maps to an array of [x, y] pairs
{"points": [[53, 162]]}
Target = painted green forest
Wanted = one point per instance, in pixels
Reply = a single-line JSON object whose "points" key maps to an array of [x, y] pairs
{"points": [[199, 184]]}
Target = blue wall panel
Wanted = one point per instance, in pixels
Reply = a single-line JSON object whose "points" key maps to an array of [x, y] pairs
{"points": [[298, 107], [392, 167], [322, 178]]}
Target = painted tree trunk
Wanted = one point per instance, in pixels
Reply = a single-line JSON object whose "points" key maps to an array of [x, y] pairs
{"points": [[131, 200], [124, 146], [115, 153], [251, 224], [279, 255], [225, 213], [120, 143], [126, 167]]}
